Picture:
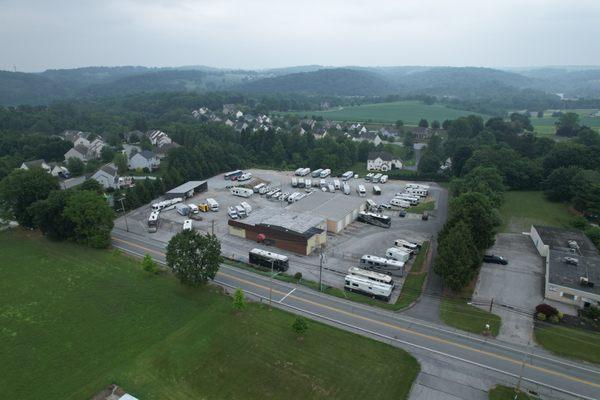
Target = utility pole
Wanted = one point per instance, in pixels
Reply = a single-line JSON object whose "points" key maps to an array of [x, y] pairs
{"points": [[213, 227], [518, 388], [320, 269], [124, 214], [491, 304], [271, 284]]}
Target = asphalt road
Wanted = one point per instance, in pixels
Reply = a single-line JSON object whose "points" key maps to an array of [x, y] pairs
{"points": [[551, 377]]}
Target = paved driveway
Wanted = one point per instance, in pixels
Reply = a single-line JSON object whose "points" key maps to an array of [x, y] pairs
{"points": [[516, 288]]}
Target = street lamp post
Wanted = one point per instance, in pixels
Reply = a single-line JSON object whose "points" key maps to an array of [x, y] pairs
{"points": [[124, 214], [271, 284]]}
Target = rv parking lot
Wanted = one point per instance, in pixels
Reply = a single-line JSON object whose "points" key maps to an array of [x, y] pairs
{"points": [[342, 250]]}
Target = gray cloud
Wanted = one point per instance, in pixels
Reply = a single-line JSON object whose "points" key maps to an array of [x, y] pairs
{"points": [[35, 35]]}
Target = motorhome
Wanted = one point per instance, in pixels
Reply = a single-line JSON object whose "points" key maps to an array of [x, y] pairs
{"points": [[346, 188], [213, 205], [322, 183], [376, 178], [242, 192], [245, 177], [362, 192], [240, 211], [301, 183], [153, 221], [233, 174], [383, 179], [416, 192], [397, 254], [374, 219], [268, 259], [371, 205], [187, 225], [263, 190], [369, 176], [247, 207], [231, 211], [414, 247], [298, 171], [382, 264], [294, 182], [308, 183], [347, 175], [397, 202], [354, 283], [372, 275], [325, 173], [305, 171], [166, 204], [406, 197], [257, 188], [376, 190], [182, 209], [316, 173]]}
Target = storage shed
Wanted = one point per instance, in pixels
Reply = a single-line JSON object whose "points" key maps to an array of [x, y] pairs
{"points": [[187, 190]]}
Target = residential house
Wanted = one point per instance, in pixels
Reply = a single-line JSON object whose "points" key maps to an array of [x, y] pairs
{"points": [[163, 149], [320, 133], [158, 138], [27, 165], [229, 122], [241, 126], [420, 133], [372, 137], [95, 148], [228, 108], [81, 141], [388, 133], [144, 159], [72, 135], [80, 152], [59, 171], [107, 176], [382, 161], [239, 114]]}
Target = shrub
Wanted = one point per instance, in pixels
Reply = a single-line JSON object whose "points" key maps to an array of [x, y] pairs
{"points": [[592, 312], [148, 264], [560, 316], [546, 309], [238, 300], [553, 319], [541, 316], [300, 326], [298, 276]]}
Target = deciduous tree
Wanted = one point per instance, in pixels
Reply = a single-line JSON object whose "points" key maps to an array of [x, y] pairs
{"points": [[194, 258], [91, 216]]}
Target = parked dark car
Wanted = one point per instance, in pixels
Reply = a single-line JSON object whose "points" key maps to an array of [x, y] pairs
{"points": [[402, 213], [494, 259]]}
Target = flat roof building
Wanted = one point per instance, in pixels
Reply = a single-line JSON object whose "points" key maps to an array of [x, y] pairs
{"points": [[188, 189], [301, 233], [572, 265], [337, 209]]}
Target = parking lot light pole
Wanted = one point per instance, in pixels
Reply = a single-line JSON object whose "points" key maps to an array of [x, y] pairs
{"points": [[271, 284], [124, 214]]}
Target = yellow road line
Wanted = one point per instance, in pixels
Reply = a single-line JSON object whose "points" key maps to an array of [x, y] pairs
{"points": [[396, 327]]}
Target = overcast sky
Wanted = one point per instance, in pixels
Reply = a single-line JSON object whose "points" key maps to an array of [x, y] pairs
{"points": [[37, 35]]}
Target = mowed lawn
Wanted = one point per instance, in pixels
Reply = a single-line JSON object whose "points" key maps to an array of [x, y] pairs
{"points": [[520, 210], [410, 112], [74, 320], [569, 342]]}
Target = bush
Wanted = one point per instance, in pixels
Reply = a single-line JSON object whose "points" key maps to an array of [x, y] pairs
{"points": [[148, 264], [553, 319], [592, 312], [300, 326], [541, 316], [298, 276], [546, 309], [238, 300]]}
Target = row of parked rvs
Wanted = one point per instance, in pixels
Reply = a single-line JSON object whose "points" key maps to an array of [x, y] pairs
{"points": [[376, 177], [237, 175], [240, 211]]}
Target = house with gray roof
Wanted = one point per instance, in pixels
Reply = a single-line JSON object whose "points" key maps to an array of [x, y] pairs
{"points": [[144, 159], [107, 176], [27, 165], [382, 161]]}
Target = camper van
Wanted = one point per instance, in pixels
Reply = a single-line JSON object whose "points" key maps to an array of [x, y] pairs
{"points": [[397, 254], [347, 175], [325, 173], [213, 205], [362, 192], [369, 176], [153, 221], [383, 179]]}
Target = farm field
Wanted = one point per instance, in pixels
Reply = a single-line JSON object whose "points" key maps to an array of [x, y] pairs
{"points": [[410, 112], [521, 209], [545, 126], [74, 320]]}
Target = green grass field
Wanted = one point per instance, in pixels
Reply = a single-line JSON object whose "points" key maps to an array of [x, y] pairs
{"points": [[422, 207], [506, 393], [545, 126], [458, 314], [569, 342], [410, 112], [73, 320], [522, 209]]}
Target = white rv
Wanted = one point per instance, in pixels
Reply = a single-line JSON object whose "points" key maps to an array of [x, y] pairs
{"points": [[362, 192], [245, 177], [247, 207], [336, 184], [355, 283], [346, 188], [213, 205], [187, 225], [371, 275], [242, 192], [397, 202], [325, 173], [395, 253]]}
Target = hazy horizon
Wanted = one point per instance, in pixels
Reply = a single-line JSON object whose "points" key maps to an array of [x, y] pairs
{"points": [[263, 34]]}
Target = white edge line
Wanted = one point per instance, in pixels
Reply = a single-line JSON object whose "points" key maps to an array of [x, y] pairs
{"points": [[285, 297]]}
